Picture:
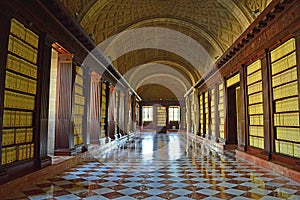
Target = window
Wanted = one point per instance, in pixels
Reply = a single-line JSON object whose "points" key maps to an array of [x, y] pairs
{"points": [[147, 113], [174, 113]]}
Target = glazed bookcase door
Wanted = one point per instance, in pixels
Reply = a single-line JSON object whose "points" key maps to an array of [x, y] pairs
{"points": [[221, 110], [78, 107], [212, 113], [206, 113], [255, 105], [103, 109], [201, 112], [19, 95], [286, 99], [161, 116]]}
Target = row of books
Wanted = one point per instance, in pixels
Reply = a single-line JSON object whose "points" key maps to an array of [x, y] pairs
{"points": [[256, 131], [19, 101], [287, 90], [20, 83], [256, 119], [255, 109], [78, 120], [103, 112], [78, 140], [287, 148], [102, 129], [103, 100], [78, 90], [79, 99], [286, 105], [257, 76], [12, 154], [79, 110], [256, 142], [256, 87], [103, 85], [21, 66], [25, 34], [255, 66], [17, 136], [285, 77], [79, 80], [22, 49], [255, 98], [13, 118], [79, 71], [78, 129], [286, 119], [283, 49], [233, 80], [287, 133], [284, 64]]}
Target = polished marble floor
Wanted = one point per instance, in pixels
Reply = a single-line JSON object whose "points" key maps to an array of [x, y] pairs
{"points": [[162, 166]]}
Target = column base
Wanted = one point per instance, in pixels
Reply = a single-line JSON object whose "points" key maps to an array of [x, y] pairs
{"points": [[44, 162], [65, 152]]}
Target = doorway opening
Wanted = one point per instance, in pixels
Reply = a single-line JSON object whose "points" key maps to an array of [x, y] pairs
{"points": [[234, 116]]}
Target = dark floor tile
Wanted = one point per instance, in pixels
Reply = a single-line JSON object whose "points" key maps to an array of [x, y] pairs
{"points": [[43, 185], [112, 195], [68, 186], [196, 195], [240, 187], [167, 182], [117, 187], [224, 195], [33, 192], [168, 195], [55, 179], [143, 188], [140, 195], [279, 195], [93, 187], [86, 194], [60, 193], [252, 195]]}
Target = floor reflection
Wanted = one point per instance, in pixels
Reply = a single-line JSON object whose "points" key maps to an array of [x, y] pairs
{"points": [[163, 166]]}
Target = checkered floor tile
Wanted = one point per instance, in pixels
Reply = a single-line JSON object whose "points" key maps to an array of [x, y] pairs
{"points": [[159, 166]]}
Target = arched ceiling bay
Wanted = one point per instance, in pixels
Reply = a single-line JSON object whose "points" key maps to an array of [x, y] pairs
{"points": [[154, 91], [213, 24], [131, 61]]}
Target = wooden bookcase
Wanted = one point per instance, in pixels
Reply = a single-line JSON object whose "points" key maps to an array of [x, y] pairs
{"points": [[103, 109], [255, 105], [161, 116], [19, 95], [201, 115], [212, 114], [117, 112], [286, 99], [79, 105], [206, 113], [221, 110], [183, 113]]}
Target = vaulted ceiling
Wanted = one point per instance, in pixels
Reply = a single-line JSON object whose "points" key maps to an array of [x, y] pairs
{"points": [[164, 45]]}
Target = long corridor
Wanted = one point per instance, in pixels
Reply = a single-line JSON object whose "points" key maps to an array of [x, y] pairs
{"points": [[163, 166]]}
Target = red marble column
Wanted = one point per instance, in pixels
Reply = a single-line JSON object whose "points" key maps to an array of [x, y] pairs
{"points": [[95, 97]]}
